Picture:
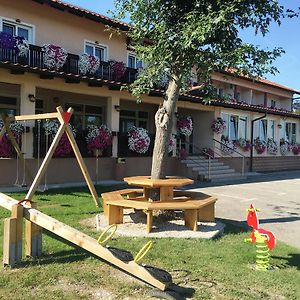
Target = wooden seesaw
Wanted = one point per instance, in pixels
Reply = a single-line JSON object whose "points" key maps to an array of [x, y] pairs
{"points": [[36, 221]]}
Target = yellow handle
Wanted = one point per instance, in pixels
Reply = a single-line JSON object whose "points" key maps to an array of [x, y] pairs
{"points": [[252, 210], [248, 240], [100, 241], [143, 252]]}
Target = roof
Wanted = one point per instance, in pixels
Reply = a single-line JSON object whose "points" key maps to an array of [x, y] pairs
{"points": [[82, 12], [262, 81], [154, 92]]}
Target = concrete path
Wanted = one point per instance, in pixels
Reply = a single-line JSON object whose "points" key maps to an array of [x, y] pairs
{"points": [[277, 195]]}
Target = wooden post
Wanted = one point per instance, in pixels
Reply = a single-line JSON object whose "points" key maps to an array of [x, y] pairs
{"points": [[149, 214], [166, 193], [9, 242], [33, 238], [17, 213], [13, 234], [79, 158], [191, 218]]}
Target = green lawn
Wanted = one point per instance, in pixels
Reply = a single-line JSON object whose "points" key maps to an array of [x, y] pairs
{"points": [[216, 269]]}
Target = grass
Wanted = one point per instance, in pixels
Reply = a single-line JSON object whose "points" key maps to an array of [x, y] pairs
{"points": [[216, 269]]}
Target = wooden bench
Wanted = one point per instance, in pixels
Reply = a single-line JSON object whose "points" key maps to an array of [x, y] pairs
{"points": [[196, 206]]}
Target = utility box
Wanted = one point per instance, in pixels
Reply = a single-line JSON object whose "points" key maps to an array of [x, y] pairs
{"points": [[120, 168]]}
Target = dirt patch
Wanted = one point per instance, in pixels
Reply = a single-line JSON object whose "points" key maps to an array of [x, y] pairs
{"points": [[83, 290], [135, 226]]}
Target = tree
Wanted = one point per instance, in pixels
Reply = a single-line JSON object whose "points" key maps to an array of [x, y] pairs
{"points": [[174, 36]]}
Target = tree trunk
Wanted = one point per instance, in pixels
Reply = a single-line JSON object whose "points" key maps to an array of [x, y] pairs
{"points": [[163, 122]]}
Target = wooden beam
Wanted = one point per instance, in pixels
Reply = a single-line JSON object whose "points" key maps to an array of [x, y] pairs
{"points": [[34, 117], [82, 240], [79, 158]]}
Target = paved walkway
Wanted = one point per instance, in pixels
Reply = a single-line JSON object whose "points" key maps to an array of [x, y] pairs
{"points": [[277, 195]]}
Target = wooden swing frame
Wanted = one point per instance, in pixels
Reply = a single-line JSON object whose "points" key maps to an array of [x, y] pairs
{"points": [[64, 119]]}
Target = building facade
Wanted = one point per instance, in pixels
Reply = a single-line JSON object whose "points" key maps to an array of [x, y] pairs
{"points": [[29, 84]]}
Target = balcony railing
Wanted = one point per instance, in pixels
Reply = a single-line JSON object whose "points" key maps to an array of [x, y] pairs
{"points": [[35, 59]]}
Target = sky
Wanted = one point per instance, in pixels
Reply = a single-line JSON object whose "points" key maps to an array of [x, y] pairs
{"points": [[286, 36]]}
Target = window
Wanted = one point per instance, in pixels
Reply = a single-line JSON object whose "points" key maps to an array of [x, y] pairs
{"points": [[290, 132], [233, 128], [220, 92], [243, 127], [18, 29], [99, 51], [129, 118], [236, 126], [271, 129], [133, 62], [39, 106], [85, 115], [273, 103], [263, 130], [8, 106]]}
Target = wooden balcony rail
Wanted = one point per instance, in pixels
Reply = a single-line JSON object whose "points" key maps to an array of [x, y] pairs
{"points": [[35, 59]]}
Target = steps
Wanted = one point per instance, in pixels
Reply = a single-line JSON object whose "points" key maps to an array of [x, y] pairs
{"points": [[218, 170]]}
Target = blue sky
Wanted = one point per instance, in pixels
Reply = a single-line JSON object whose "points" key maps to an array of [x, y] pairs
{"points": [[285, 36]]}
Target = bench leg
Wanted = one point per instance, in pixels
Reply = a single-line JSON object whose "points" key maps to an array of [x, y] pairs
{"points": [[114, 214], [105, 208], [191, 218], [207, 213], [149, 220]]}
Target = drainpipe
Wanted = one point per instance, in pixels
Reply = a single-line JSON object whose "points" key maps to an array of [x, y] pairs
{"points": [[252, 129]]}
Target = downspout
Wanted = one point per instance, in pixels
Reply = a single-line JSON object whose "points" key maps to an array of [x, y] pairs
{"points": [[251, 149]]}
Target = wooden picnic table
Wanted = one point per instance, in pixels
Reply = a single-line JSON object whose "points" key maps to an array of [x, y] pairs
{"points": [[165, 186]]}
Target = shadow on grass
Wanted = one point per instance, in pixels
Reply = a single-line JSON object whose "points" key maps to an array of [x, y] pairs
{"points": [[293, 260], [62, 257]]}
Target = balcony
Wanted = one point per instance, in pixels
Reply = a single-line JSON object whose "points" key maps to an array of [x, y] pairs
{"points": [[35, 61]]}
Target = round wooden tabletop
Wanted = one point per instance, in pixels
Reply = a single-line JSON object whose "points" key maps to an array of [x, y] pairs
{"points": [[147, 182]]}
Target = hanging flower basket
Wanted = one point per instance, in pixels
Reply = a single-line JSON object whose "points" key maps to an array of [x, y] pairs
{"points": [[228, 147], [244, 144], [218, 126], [98, 139], [8, 41], [296, 149], [118, 69], [54, 56], [185, 126], [138, 140], [64, 147], [88, 64], [285, 147], [260, 146], [272, 147]]}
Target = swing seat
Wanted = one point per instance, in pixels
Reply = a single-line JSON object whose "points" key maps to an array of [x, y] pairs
{"points": [[159, 274], [121, 254]]}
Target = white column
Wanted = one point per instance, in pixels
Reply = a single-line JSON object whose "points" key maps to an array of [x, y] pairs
{"points": [[113, 120], [27, 108]]}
